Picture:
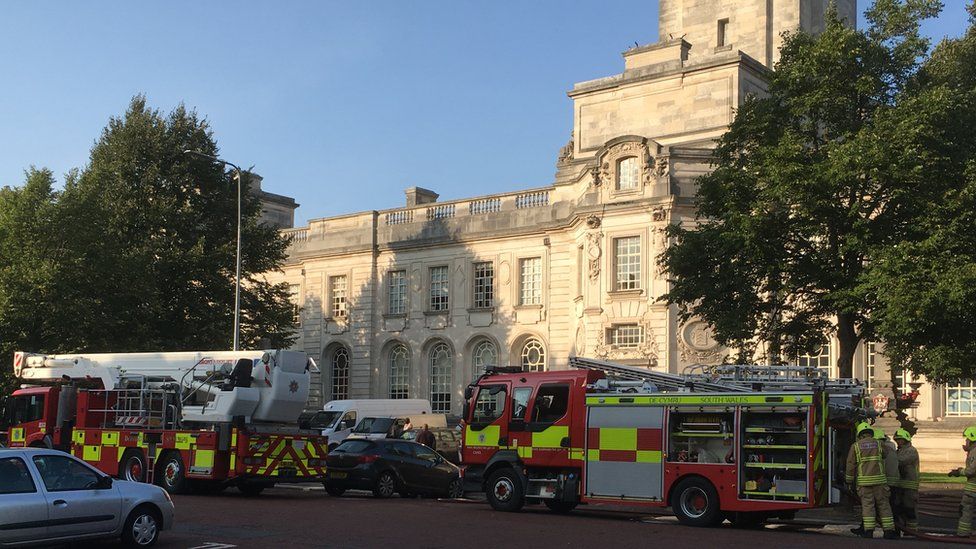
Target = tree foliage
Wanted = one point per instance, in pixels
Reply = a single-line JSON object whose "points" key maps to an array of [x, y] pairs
{"points": [[832, 164], [926, 287], [137, 252]]}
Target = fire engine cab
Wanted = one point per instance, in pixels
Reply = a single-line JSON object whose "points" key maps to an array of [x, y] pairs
{"points": [[202, 420], [743, 443]]}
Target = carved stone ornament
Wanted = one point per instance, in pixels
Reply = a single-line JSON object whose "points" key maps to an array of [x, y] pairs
{"points": [[662, 166], [610, 159], [593, 222], [594, 252], [659, 214], [697, 345], [567, 151]]}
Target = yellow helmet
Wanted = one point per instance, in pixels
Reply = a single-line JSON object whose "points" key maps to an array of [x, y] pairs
{"points": [[970, 433], [879, 434], [904, 435], [865, 426]]}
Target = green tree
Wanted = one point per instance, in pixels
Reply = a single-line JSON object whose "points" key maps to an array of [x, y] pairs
{"points": [[809, 180], [158, 272], [926, 287], [138, 251]]}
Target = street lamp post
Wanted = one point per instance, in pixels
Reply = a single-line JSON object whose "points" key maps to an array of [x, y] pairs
{"points": [[237, 284]]}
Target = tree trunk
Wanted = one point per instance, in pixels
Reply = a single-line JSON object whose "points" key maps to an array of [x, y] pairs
{"points": [[848, 339]]}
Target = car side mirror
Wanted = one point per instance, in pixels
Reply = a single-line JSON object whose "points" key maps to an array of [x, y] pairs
{"points": [[104, 483]]}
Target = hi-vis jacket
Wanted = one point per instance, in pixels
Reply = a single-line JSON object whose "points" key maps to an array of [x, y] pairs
{"points": [[971, 471], [908, 467], [889, 452], [866, 465]]}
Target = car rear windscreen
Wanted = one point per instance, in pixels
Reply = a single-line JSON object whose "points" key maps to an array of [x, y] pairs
{"points": [[354, 446]]}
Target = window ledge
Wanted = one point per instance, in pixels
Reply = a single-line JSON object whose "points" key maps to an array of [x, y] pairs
{"points": [[397, 315], [528, 307], [445, 312], [625, 294], [337, 319], [727, 47], [481, 310]]}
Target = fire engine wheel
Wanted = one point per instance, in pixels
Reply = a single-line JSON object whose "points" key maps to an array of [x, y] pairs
{"points": [[386, 485], [695, 503], [172, 474], [560, 507], [505, 491], [132, 467]]}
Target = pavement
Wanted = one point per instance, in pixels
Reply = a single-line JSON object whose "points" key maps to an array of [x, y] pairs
{"points": [[307, 517]]}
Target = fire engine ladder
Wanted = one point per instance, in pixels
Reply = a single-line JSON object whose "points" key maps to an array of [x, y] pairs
{"points": [[776, 377], [664, 381]]}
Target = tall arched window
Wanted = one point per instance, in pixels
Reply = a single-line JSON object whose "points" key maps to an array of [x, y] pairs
{"points": [[485, 354], [399, 372], [441, 366], [340, 374], [533, 356]]}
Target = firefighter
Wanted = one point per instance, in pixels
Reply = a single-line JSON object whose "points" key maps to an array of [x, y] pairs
{"points": [[865, 470], [965, 527], [889, 454], [906, 498]]}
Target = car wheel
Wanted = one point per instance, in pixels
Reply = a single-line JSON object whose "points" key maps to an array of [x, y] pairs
{"points": [[132, 467], [560, 507], [333, 490], [456, 489], [172, 474], [141, 528], [385, 485], [251, 489], [695, 503], [505, 491]]}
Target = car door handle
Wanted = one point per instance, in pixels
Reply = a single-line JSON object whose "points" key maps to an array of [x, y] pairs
{"points": [[60, 503]]}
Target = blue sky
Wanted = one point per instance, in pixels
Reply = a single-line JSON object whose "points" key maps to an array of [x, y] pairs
{"points": [[341, 105]]}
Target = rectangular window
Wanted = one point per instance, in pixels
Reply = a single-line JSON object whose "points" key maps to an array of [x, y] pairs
{"points": [[530, 270], [723, 32], [439, 285], [869, 362], [295, 294], [337, 289], [398, 292], [961, 399], [484, 285], [627, 262], [627, 336]]}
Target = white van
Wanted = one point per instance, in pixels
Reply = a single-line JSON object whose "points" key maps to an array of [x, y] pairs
{"points": [[373, 428], [339, 417]]}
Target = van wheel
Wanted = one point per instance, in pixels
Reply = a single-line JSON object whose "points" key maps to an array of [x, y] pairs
{"points": [[172, 474], [132, 466], [695, 503], [505, 491], [141, 527]]}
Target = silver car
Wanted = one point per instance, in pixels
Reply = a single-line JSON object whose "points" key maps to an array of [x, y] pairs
{"points": [[47, 496]]}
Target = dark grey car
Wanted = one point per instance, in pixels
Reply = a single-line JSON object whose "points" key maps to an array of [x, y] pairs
{"points": [[47, 496]]}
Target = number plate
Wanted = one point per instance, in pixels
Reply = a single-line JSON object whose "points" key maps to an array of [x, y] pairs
{"points": [[287, 472], [336, 474]]}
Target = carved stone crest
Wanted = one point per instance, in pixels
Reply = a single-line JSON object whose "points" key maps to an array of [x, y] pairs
{"points": [[697, 344], [593, 222], [659, 214], [662, 166]]}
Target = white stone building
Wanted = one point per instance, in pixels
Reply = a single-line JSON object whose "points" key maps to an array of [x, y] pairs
{"points": [[415, 301]]}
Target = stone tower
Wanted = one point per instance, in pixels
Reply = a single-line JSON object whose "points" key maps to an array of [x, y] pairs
{"points": [[751, 26]]}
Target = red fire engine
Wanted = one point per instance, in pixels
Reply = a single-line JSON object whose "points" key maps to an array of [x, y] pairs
{"points": [[203, 420], [744, 443]]}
